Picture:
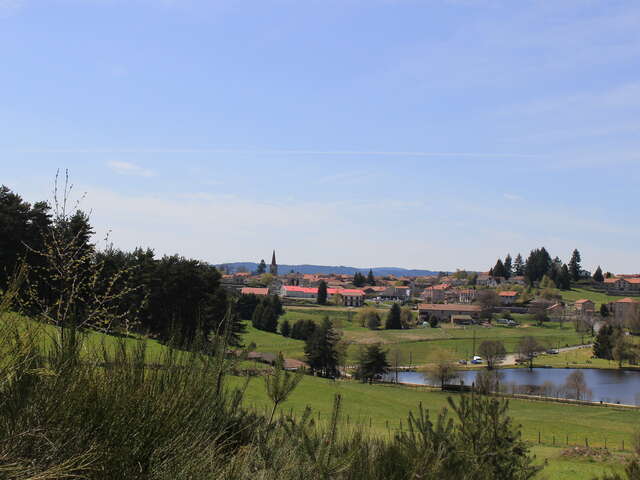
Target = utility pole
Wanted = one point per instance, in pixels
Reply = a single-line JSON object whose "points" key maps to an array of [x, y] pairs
{"points": [[473, 354]]}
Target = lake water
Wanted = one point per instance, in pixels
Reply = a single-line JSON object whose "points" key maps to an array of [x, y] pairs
{"points": [[615, 386]]}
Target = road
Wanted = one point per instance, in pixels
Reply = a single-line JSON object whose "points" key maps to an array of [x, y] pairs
{"points": [[510, 359]]}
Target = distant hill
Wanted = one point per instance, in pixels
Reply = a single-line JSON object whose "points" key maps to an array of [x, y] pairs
{"points": [[323, 269]]}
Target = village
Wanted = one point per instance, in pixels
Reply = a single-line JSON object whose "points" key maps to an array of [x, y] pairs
{"points": [[461, 298]]}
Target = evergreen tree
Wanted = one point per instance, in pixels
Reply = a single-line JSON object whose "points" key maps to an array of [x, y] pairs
{"points": [[321, 350], [564, 279], [322, 293], [269, 321], [285, 328], [604, 343], [246, 305], [518, 266], [538, 265], [359, 279], [499, 270], [262, 267], [598, 276], [555, 270], [574, 265], [393, 321], [508, 268], [371, 280], [276, 303], [256, 318], [372, 362]]}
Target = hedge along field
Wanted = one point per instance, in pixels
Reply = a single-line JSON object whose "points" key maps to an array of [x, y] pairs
{"points": [[383, 407], [416, 346]]}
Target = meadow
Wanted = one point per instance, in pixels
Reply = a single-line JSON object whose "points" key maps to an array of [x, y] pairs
{"points": [[416, 346], [548, 427], [381, 409]]}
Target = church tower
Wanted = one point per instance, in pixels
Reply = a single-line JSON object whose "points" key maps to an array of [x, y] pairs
{"points": [[273, 269]]}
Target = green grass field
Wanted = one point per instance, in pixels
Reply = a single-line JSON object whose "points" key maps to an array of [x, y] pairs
{"points": [[579, 293], [385, 406], [416, 346]]}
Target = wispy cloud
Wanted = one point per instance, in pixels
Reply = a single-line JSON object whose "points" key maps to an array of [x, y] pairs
{"points": [[126, 168], [380, 153], [512, 196]]}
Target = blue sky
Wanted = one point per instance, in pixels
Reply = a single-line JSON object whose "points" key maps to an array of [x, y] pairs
{"points": [[434, 133]]}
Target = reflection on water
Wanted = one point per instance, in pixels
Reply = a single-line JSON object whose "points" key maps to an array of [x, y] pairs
{"points": [[615, 386]]}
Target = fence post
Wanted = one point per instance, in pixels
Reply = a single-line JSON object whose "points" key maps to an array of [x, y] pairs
{"points": [[586, 442], [539, 438], [554, 440], [567, 439]]}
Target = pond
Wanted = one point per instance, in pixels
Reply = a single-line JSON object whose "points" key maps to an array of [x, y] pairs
{"points": [[615, 386]]}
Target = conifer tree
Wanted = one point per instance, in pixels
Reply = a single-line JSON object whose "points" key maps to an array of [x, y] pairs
{"points": [[499, 270], [508, 268], [321, 350], [604, 342], [256, 318], [598, 276], [564, 279], [372, 362], [285, 328], [262, 267], [322, 293], [518, 266], [574, 265], [371, 280], [393, 321]]}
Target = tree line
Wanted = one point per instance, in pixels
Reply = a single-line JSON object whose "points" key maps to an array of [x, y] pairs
{"points": [[166, 297], [540, 264]]}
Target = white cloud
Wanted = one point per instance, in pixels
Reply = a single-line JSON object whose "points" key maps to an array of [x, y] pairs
{"points": [[512, 196], [126, 168]]}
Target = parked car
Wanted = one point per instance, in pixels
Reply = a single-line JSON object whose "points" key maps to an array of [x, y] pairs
{"points": [[476, 362], [553, 351], [462, 362]]}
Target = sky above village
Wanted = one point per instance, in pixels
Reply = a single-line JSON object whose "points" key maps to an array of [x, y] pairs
{"points": [[414, 133]]}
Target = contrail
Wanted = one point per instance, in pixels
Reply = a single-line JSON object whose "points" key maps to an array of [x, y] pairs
{"points": [[278, 152]]}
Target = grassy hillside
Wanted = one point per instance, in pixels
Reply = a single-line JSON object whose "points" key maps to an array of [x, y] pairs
{"points": [[383, 407], [580, 293]]}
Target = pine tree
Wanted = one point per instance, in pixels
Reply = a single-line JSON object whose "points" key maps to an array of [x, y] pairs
{"points": [[262, 267], [372, 362], [393, 321], [269, 321], [598, 276], [508, 268], [256, 318], [285, 328], [603, 344], [321, 352], [518, 266], [564, 279], [359, 279], [499, 270], [574, 265], [322, 293], [371, 280], [604, 311]]}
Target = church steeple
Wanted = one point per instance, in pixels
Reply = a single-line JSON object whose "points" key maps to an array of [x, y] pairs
{"points": [[273, 269]]}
